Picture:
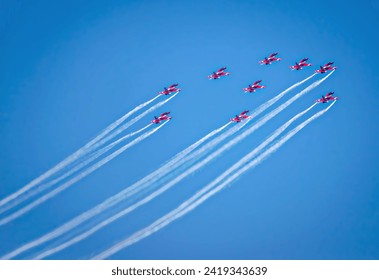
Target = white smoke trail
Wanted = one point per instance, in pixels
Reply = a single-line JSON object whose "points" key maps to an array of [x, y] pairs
{"points": [[122, 213], [76, 168], [269, 103], [195, 201], [188, 150], [209, 146], [133, 121], [192, 168], [108, 202], [101, 142], [187, 172], [78, 177], [147, 180], [74, 155]]}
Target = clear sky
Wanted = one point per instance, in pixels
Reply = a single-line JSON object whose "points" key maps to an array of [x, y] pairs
{"points": [[70, 68]]}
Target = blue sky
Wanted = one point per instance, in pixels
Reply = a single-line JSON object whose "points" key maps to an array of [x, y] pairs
{"points": [[70, 68]]}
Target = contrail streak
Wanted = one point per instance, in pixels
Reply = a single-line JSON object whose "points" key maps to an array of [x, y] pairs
{"points": [[225, 147], [100, 142], [273, 100], [209, 146], [122, 213], [77, 178], [183, 175], [75, 155], [147, 180], [191, 169], [76, 168], [269, 115], [133, 121], [188, 150], [195, 201], [107, 203]]}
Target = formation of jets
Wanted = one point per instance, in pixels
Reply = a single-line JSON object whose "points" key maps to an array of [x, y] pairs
{"points": [[253, 87], [242, 116], [328, 97], [270, 59], [326, 67], [218, 74], [163, 117], [171, 89], [256, 85], [299, 65]]}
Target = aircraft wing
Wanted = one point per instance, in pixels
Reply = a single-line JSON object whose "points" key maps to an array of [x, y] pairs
{"points": [[273, 55]]}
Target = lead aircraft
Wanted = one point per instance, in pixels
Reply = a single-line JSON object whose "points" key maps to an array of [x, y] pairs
{"points": [[219, 73], [299, 65], [270, 59], [256, 85]]}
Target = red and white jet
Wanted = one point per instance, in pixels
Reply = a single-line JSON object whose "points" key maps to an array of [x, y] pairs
{"points": [[270, 59], [170, 89], [328, 97], [253, 87], [241, 117], [326, 67], [220, 72], [299, 65], [163, 117]]}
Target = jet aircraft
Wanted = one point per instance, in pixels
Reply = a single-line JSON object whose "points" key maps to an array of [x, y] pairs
{"points": [[328, 97], [299, 65], [256, 85], [270, 59], [219, 73], [326, 67], [242, 116], [170, 89], [163, 117]]}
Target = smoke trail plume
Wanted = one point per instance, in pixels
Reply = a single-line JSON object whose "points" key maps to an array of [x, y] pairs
{"points": [[184, 174], [81, 175], [76, 168], [154, 176], [74, 155], [195, 201]]}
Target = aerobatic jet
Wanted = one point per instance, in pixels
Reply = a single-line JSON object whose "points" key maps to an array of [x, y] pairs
{"points": [[299, 65], [242, 116], [220, 72], [270, 59], [163, 117], [170, 89], [326, 67], [328, 97], [254, 86]]}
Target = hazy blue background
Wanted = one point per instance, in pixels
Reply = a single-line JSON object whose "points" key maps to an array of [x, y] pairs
{"points": [[70, 68]]}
